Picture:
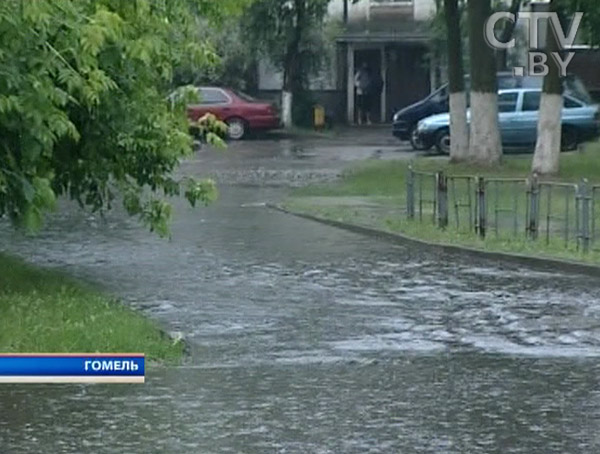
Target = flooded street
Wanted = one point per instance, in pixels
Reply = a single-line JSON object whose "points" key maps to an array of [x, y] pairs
{"points": [[309, 339]]}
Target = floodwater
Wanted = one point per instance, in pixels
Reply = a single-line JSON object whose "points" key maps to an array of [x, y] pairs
{"points": [[309, 339]]}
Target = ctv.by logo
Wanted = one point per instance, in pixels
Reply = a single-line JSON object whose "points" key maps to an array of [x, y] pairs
{"points": [[537, 61]]}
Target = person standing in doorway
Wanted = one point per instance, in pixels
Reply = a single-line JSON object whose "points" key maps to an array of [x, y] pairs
{"points": [[362, 83]]}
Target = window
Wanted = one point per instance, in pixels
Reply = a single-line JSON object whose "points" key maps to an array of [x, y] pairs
{"points": [[213, 96], [571, 103], [531, 101], [507, 102]]}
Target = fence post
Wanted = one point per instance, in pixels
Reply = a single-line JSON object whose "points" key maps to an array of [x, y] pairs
{"points": [[410, 193], [534, 205], [592, 194], [584, 203], [442, 197], [481, 207]]}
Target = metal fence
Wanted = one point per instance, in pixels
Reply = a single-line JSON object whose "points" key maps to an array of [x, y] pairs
{"points": [[422, 187], [561, 214], [595, 236]]}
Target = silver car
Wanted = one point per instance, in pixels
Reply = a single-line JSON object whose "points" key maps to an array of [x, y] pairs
{"points": [[518, 119]]}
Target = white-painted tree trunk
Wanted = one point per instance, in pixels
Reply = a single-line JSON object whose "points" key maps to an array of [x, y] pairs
{"points": [[286, 108], [459, 129], [485, 147], [547, 149]]}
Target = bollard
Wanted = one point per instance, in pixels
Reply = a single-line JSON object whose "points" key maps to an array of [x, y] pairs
{"points": [[410, 193], [481, 207], [319, 117], [534, 207], [584, 204], [442, 198]]}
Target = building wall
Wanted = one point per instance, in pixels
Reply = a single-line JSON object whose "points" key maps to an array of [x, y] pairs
{"points": [[271, 78], [334, 102], [356, 11], [422, 9], [586, 65], [408, 77]]}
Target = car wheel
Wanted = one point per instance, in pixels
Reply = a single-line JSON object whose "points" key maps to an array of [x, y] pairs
{"points": [[569, 140], [442, 141], [415, 141], [236, 128]]}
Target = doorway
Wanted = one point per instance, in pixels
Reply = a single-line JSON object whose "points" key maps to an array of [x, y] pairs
{"points": [[409, 78]]}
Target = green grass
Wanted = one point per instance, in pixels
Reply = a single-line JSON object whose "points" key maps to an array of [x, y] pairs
{"points": [[43, 311], [383, 183], [388, 178]]}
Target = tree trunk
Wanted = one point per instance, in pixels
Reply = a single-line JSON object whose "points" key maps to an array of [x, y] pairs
{"points": [[547, 149], [290, 84], [292, 77], [459, 130], [286, 108], [292, 89], [286, 92], [507, 33], [485, 147], [436, 55]]}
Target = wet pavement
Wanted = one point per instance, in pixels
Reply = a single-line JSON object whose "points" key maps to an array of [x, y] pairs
{"points": [[308, 339]]}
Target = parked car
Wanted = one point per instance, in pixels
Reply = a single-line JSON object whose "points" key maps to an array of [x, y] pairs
{"points": [[241, 112], [405, 120], [518, 120]]}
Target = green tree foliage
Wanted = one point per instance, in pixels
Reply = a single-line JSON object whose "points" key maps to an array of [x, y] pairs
{"points": [[504, 32], [288, 32], [83, 104], [292, 34], [590, 31], [236, 64]]}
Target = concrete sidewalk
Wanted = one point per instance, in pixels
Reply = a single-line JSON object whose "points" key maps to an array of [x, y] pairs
{"points": [[379, 135]]}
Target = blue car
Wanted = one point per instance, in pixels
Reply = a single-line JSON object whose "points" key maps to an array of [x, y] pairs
{"points": [[518, 118], [407, 119]]}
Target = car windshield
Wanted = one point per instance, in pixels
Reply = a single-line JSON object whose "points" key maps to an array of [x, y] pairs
{"points": [[575, 87], [439, 94], [244, 96]]}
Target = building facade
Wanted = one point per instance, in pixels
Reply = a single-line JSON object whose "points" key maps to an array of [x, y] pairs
{"points": [[392, 37]]}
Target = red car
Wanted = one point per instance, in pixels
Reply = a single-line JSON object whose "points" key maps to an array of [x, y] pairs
{"points": [[241, 112]]}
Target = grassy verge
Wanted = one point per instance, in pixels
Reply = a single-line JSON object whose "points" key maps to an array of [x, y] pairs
{"points": [[43, 311], [388, 178], [372, 194]]}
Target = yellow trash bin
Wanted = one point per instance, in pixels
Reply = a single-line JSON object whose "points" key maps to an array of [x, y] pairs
{"points": [[319, 117]]}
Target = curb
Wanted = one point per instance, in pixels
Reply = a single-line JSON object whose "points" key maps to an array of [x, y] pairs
{"points": [[543, 263]]}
